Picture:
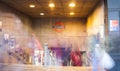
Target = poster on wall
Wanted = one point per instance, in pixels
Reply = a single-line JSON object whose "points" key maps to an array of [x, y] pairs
{"points": [[114, 25], [12, 43], [6, 38]]}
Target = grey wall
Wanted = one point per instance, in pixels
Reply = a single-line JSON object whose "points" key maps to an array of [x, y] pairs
{"points": [[114, 4], [114, 14], [114, 36]]}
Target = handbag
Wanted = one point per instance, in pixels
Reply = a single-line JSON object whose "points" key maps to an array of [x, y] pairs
{"points": [[107, 62]]}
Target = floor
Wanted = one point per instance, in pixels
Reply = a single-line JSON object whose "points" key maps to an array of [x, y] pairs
{"points": [[15, 67]]}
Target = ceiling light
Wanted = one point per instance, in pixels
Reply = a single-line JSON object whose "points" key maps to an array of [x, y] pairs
{"points": [[72, 13], [42, 14], [31, 6], [71, 5], [51, 5]]}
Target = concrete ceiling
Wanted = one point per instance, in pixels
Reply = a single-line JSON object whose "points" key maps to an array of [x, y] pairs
{"points": [[82, 9]]}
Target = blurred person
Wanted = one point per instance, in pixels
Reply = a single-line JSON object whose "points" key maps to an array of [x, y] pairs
{"points": [[66, 56], [93, 58], [76, 58], [52, 58], [98, 57]]}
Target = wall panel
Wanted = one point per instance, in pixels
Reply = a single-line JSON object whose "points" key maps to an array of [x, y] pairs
{"points": [[75, 30]]}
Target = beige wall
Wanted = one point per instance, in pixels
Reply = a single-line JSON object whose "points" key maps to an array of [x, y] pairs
{"points": [[95, 22], [74, 32], [18, 26]]}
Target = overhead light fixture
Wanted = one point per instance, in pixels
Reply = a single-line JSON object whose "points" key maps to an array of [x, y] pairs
{"points": [[72, 5], [42, 14], [72, 13], [51, 5], [31, 6]]}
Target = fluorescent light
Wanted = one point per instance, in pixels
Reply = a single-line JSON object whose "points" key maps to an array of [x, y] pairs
{"points": [[51, 5], [71, 5], [72, 13], [42, 14], [31, 6]]}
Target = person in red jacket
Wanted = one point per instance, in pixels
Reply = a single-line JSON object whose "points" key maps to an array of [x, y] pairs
{"points": [[76, 58]]}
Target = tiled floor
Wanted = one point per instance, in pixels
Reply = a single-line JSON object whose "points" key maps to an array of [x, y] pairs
{"points": [[14, 67]]}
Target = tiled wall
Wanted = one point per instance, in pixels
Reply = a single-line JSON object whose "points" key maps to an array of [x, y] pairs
{"points": [[74, 32], [17, 26], [95, 21]]}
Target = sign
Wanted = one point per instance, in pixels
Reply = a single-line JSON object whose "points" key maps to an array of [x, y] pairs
{"points": [[58, 26], [12, 43], [114, 25], [6, 38]]}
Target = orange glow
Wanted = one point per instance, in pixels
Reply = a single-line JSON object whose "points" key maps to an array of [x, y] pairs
{"points": [[51, 5], [31, 6], [71, 5], [72, 13], [42, 14]]}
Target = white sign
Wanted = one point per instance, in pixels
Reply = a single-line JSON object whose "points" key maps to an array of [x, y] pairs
{"points": [[114, 25]]}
